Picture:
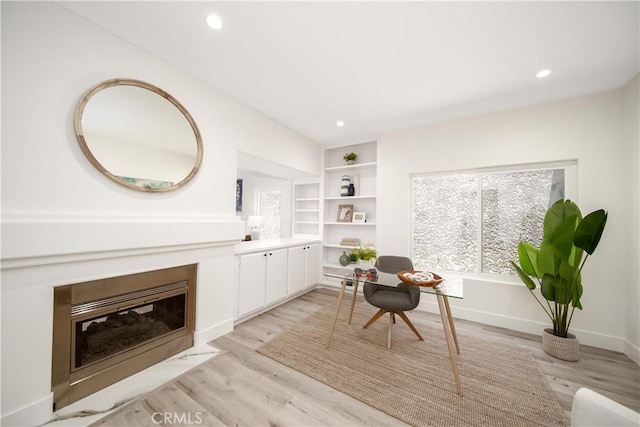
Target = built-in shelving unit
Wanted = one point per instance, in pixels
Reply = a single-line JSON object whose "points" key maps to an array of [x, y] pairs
{"points": [[306, 209], [363, 174]]}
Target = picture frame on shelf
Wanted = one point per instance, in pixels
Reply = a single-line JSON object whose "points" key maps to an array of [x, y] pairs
{"points": [[345, 213], [359, 217]]}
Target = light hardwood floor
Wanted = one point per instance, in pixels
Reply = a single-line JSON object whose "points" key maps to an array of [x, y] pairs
{"points": [[243, 388]]}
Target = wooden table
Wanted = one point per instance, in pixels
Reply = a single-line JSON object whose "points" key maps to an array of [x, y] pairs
{"points": [[448, 288]]}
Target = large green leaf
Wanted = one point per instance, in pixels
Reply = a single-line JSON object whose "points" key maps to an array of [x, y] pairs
{"points": [[556, 214], [547, 289], [576, 256], [553, 218], [566, 270], [546, 258], [528, 256], [589, 231], [576, 294], [563, 237], [524, 276], [562, 290]]}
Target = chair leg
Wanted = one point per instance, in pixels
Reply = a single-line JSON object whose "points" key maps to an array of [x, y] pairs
{"points": [[409, 324], [374, 318], [391, 321]]}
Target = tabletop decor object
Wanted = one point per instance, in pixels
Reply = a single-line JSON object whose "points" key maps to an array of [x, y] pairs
{"points": [[557, 267], [419, 278]]}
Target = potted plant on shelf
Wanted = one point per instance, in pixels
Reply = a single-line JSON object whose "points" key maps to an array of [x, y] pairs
{"points": [[350, 158], [366, 255], [557, 268]]}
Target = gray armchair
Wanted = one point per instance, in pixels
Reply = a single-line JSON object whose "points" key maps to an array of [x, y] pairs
{"points": [[392, 300]]}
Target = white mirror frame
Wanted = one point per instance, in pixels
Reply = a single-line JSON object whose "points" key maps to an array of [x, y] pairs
{"points": [[96, 163]]}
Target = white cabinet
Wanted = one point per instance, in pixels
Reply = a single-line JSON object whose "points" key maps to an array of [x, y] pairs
{"points": [[262, 279], [364, 176], [304, 267], [276, 275]]}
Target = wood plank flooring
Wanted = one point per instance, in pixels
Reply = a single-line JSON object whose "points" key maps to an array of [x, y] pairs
{"points": [[243, 388]]}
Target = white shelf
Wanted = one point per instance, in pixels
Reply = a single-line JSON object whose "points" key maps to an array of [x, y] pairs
{"points": [[350, 167], [306, 213], [338, 246], [348, 197], [349, 223]]}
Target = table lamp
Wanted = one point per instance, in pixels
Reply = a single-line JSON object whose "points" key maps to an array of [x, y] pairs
{"points": [[254, 222]]}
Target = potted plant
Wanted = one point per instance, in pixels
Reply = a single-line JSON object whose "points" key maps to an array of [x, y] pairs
{"points": [[366, 255], [557, 268], [350, 158]]}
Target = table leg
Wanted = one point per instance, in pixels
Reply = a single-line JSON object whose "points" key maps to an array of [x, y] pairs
{"points": [[447, 334], [353, 299], [453, 327], [335, 316]]}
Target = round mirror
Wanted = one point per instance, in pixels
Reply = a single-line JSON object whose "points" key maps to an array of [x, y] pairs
{"points": [[138, 135]]}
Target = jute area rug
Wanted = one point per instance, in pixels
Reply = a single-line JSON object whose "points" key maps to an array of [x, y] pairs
{"points": [[413, 381]]}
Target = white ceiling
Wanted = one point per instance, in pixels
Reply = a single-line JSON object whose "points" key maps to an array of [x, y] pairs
{"points": [[382, 66]]}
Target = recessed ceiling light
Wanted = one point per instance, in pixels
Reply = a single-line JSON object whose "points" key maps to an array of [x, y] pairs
{"points": [[543, 73], [339, 123], [214, 22]]}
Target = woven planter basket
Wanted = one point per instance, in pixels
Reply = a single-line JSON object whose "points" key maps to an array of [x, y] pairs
{"points": [[561, 348]]}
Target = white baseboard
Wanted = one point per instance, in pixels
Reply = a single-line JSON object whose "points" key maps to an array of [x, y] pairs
{"points": [[594, 339], [215, 331], [632, 351], [34, 414]]}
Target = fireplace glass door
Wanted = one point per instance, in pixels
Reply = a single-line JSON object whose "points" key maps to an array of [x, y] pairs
{"points": [[103, 336]]}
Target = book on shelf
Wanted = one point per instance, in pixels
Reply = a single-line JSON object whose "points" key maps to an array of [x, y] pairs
{"points": [[350, 241]]}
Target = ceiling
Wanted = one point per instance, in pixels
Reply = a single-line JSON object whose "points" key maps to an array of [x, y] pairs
{"points": [[384, 66]]}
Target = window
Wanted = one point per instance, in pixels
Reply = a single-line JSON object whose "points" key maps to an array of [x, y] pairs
{"points": [[269, 209], [473, 221]]}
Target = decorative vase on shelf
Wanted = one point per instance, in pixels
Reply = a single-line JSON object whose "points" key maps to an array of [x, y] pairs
{"points": [[344, 185], [356, 184], [351, 191], [344, 259]]}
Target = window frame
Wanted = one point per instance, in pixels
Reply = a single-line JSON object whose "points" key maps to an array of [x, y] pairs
{"points": [[570, 168]]}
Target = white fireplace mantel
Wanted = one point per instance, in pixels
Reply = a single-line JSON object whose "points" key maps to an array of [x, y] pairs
{"points": [[41, 251]]}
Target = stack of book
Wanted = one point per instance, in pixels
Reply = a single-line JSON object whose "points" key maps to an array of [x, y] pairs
{"points": [[350, 241]]}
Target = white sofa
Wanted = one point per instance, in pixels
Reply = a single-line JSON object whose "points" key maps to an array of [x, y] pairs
{"points": [[592, 409]]}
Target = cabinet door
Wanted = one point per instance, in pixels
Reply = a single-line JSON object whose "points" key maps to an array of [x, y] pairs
{"points": [[252, 285], [312, 264], [297, 275], [276, 275]]}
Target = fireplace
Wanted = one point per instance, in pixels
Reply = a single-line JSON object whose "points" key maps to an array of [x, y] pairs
{"points": [[106, 330]]}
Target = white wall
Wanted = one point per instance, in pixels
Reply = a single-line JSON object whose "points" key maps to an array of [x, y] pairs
{"points": [[588, 129], [63, 222], [631, 138]]}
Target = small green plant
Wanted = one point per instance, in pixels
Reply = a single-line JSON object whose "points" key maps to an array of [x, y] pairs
{"points": [[365, 253], [557, 264], [350, 157]]}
